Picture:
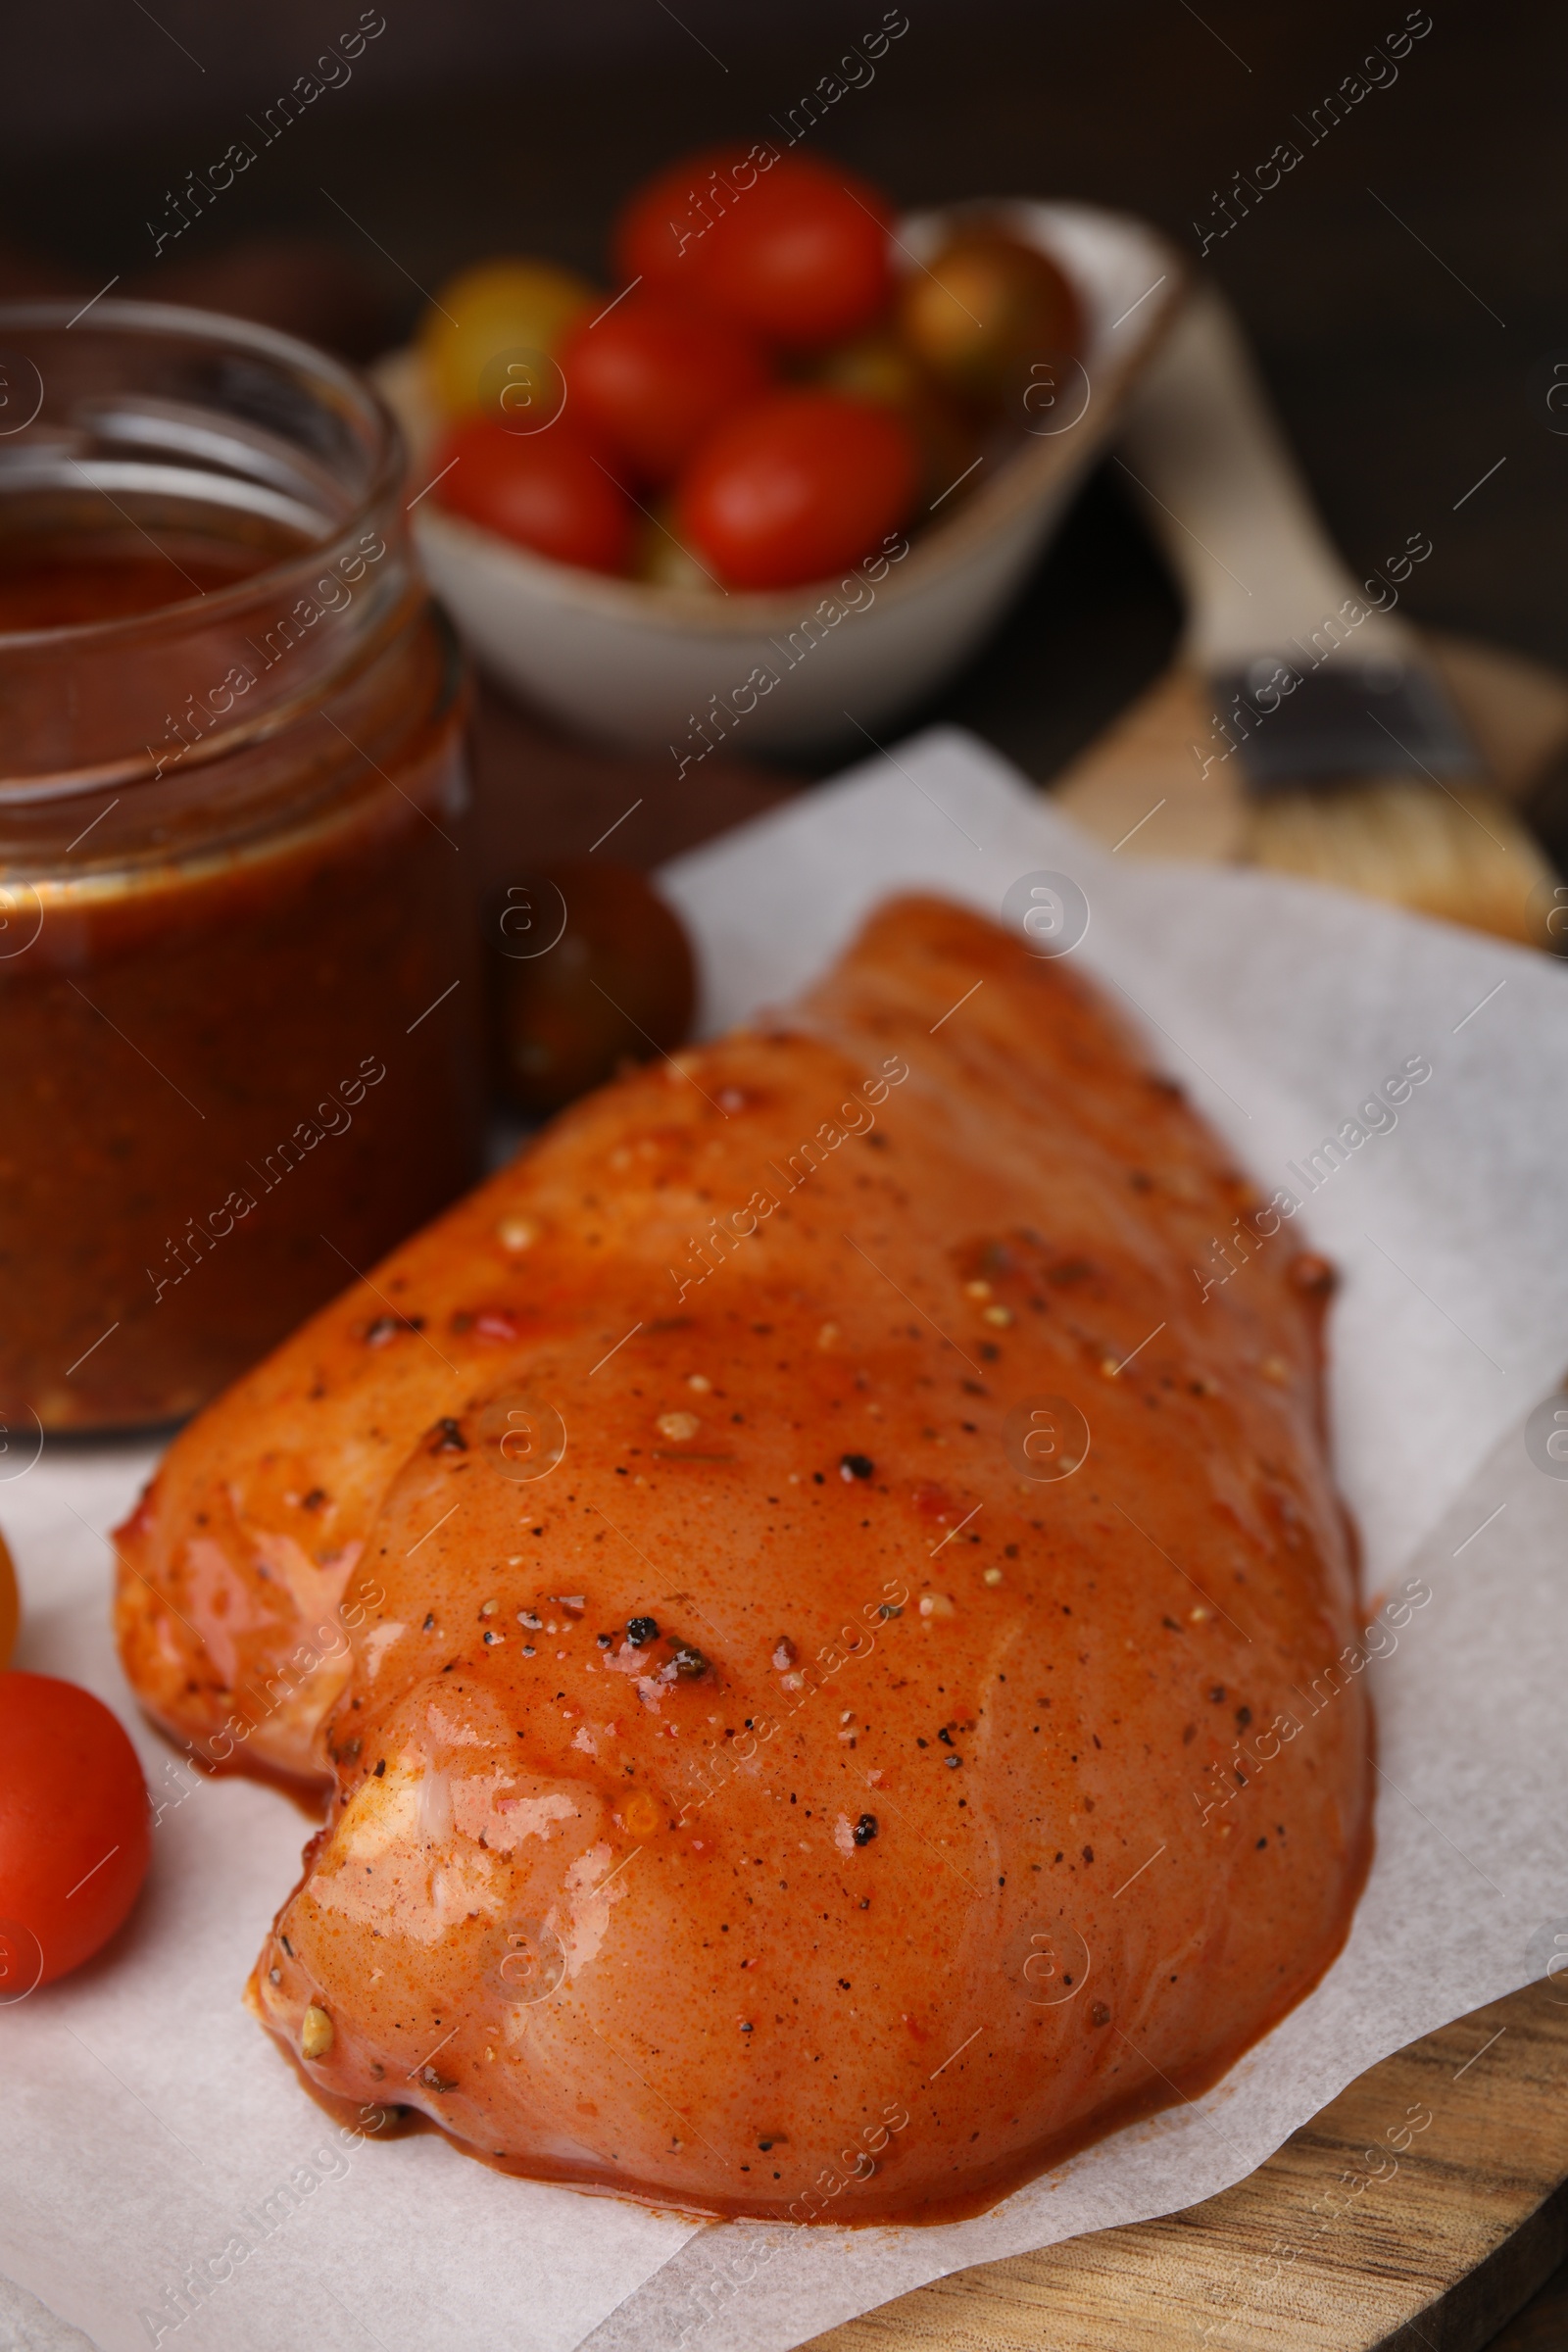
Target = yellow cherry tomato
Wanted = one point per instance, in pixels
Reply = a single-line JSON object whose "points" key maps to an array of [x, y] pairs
{"points": [[987, 307], [10, 1606], [873, 366], [661, 558], [489, 335], [878, 367]]}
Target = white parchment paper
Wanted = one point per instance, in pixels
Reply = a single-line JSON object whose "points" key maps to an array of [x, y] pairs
{"points": [[147, 2122]]}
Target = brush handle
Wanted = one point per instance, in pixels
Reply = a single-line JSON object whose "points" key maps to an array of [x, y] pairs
{"points": [[1224, 498]]}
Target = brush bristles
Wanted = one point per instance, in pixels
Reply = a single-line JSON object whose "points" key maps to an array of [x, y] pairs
{"points": [[1459, 852]]}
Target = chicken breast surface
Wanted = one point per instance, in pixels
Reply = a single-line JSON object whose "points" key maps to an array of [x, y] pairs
{"points": [[818, 1624]]}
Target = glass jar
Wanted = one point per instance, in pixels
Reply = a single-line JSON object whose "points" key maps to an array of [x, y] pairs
{"points": [[238, 1002]]}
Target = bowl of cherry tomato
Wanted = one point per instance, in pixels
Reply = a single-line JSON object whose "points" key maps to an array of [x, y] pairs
{"points": [[777, 480]]}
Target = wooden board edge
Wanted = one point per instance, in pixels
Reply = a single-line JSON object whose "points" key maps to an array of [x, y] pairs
{"points": [[1144, 2287]]}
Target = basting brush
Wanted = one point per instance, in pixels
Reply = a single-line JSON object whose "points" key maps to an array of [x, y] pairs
{"points": [[1329, 721]]}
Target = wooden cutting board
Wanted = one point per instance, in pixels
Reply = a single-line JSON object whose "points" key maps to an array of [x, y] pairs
{"points": [[1296, 2258]]}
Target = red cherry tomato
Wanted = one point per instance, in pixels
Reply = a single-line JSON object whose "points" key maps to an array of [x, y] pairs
{"points": [[664, 222], [797, 251], [655, 375], [73, 1829], [797, 485], [548, 490]]}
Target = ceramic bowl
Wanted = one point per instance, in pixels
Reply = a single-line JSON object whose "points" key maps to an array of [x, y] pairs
{"points": [[646, 666]]}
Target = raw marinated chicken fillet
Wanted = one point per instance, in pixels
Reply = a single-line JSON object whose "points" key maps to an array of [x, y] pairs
{"points": [[816, 1623]]}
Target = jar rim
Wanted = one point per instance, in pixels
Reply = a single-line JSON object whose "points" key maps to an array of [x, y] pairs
{"points": [[349, 390]]}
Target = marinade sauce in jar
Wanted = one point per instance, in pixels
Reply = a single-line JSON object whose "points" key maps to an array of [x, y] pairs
{"points": [[238, 1010]]}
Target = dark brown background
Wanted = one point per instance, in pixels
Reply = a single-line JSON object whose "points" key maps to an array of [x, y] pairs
{"points": [[1406, 360]]}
